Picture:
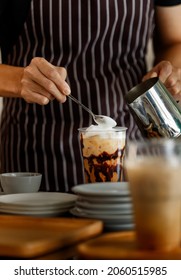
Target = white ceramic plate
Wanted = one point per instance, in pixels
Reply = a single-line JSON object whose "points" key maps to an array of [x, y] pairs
{"points": [[106, 218], [38, 199], [35, 209], [103, 189], [49, 213], [104, 212], [55, 207], [106, 199], [103, 206]]}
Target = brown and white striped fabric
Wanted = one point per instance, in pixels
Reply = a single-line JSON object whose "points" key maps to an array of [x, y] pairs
{"points": [[102, 43]]}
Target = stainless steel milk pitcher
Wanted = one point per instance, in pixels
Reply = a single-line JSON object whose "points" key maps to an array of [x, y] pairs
{"points": [[156, 112]]}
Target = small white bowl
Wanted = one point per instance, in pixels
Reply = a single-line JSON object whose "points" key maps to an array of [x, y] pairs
{"points": [[20, 182]]}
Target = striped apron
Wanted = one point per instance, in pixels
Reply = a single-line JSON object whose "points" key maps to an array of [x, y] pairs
{"points": [[102, 44]]}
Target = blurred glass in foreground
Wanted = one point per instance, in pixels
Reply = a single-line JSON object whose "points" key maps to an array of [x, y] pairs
{"points": [[153, 169]]}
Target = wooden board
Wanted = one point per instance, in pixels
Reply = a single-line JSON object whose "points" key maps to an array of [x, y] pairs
{"points": [[121, 246], [27, 237]]}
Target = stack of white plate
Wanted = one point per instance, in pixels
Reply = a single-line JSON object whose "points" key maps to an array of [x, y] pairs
{"points": [[37, 204], [109, 202]]}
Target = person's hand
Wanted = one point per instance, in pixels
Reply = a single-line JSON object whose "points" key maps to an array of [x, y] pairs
{"points": [[169, 75], [42, 82]]}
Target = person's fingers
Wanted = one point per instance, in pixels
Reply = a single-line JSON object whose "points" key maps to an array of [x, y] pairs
{"points": [[62, 72], [173, 82], [149, 75], [175, 89], [51, 73], [29, 89], [164, 70], [32, 83], [34, 97], [43, 82], [170, 76], [35, 78]]}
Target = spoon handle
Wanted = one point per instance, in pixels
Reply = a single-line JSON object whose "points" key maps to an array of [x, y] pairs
{"points": [[80, 104]]}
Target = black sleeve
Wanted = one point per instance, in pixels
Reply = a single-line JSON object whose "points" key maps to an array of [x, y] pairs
{"points": [[167, 2], [4, 11], [12, 16], [3, 5]]}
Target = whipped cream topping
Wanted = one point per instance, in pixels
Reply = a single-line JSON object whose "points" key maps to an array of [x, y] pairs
{"points": [[98, 128], [106, 123]]}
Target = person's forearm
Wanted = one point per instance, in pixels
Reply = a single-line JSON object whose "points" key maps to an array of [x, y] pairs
{"points": [[10, 81], [171, 53]]}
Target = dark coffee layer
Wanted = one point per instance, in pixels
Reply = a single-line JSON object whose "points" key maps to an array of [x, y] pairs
{"points": [[105, 167]]}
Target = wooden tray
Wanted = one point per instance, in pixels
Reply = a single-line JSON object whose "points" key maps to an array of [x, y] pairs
{"points": [[27, 237], [121, 246]]}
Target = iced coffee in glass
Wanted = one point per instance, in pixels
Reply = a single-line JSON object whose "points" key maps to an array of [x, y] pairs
{"points": [[103, 152], [154, 174]]}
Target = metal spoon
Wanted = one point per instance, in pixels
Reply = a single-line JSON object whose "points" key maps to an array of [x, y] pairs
{"points": [[99, 119]]}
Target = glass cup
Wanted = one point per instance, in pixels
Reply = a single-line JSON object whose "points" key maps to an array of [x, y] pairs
{"points": [[153, 170], [103, 154]]}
